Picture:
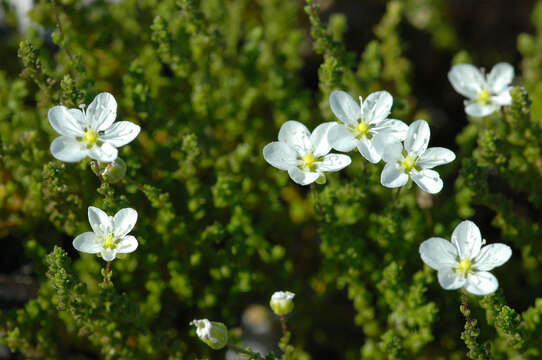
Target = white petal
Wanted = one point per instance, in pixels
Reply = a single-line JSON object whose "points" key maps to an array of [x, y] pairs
{"points": [[105, 153], [280, 155], [393, 176], [435, 156], [392, 128], [80, 117], [369, 151], [128, 244], [66, 148], [109, 254], [345, 107], [319, 139], [124, 221], [491, 256], [100, 222], [417, 138], [63, 122], [377, 107], [467, 80], [102, 111], [481, 283], [342, 139], [468, 240], [438, 253], [479, 110], [503, 98], [500, 77], [334, 162], [428, 180], [301, 177], [88, 243], [450, 280], [297, 136], [120, 133], [389, 148]]}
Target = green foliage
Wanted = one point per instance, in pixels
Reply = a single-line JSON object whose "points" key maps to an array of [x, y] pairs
{"points": [[210, 82]]}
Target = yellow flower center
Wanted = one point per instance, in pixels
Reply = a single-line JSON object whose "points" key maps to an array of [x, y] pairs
{"points": [[484, 97], [362, 128], [308, 161], [464, 266], [90, 137], [109, 243], [408, 163]]}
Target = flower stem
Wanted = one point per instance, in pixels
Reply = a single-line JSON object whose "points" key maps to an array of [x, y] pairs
{"points": [[396, 198], [97, 170], [315, 199], [283, 325], [465, 308], [59, 24], [106, 275], [240, 350]]}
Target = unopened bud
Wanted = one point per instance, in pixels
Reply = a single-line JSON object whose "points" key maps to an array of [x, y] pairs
{"points": [[115, 170], [282, 302], [214, 334]]}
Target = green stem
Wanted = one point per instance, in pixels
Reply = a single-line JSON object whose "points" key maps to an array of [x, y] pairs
{"points": [[315, 199], [106, 275], [59, 24], [283, 325], [396, 198]]}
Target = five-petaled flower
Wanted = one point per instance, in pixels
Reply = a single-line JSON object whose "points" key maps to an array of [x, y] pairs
{"points": [[214, 334], [486, 94], [364, 126], [304, 155], [463, 262], [110, 233], [90, 133], [413, 159]]}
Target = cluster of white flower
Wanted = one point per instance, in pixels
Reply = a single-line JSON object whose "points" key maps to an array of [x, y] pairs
{"points": [[365, 127], [306, 156], [94, 133], [368, 128]]}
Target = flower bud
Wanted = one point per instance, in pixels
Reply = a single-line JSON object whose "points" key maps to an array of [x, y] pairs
{"points": [[282, 302], [214, 334], [115, 170]]}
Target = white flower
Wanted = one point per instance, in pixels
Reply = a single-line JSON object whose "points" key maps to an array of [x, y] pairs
{"points": [[463, 262], [282, 302], [110, 236], [486, 94], [413, 159], [364, 126], [214, 334], [304, 155], [90, 133]]}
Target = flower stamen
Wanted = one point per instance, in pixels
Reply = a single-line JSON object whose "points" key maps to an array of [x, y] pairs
{"points": [[109, 242], [464, 266], [408, 163], [484, 97], [362, 129], [309, 161], [90, 137]]}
